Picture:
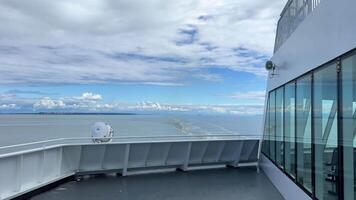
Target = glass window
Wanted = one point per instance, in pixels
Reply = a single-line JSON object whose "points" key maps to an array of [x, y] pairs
{"points": [[279, 126], [265, 144], [349, 125], [303, 120], [293, 113], [289, 129], [325, 132], [272, 126]]}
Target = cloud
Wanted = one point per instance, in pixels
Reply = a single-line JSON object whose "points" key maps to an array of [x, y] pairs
{"points": [[163, 83], [13, 92], [83, 102], [6, 96], [251, 95], [86, 101], [91, 102], [163, 41], [8, 100], [209, 77], [48, 103], [8, 106], [203, 109], [88, 96]]}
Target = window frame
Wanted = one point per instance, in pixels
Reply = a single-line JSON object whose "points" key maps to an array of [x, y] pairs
{"points": [[340, 146]]}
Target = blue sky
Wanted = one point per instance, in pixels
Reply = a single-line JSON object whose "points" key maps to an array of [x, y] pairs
{"points": [[115, 56]]}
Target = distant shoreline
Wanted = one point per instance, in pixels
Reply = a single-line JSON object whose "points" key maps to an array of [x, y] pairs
{"points": [[65, 113]]}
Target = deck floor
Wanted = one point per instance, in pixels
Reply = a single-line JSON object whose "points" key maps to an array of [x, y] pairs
{"points": [[213, 184]]}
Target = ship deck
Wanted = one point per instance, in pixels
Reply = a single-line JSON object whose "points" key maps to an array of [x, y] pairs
{"points": [[224, 183]]}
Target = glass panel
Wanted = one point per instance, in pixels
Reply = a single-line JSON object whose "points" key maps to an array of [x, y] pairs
{"points": [[279, 126], [265, 147], [349, 125], [272, 126], [325, 133], [304, 146], [289, 129]]}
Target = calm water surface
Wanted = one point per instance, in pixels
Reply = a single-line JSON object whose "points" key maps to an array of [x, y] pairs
{"points": [[15, 129]]}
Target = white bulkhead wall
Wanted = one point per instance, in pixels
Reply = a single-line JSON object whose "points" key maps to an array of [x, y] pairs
{"points": [[328, 32]]}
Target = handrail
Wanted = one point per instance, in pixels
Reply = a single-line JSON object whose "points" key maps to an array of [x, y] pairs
{"points": [[46, 144], [130, 137], [293, 14], [43, 162]]}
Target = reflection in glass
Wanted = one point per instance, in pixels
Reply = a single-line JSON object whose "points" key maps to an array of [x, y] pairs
{"points": [[289, 124], [325, 133], [265, 144], [279, 126], [272, 126], [304, 146], [349, 125]]}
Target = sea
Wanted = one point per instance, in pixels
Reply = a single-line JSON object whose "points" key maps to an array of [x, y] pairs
{"points": [[24, 128]]}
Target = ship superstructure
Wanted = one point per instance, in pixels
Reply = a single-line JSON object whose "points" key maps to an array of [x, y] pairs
{"points": [[307, 150], [310, 119]]}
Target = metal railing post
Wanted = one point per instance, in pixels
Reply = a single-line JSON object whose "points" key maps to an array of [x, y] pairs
{"points": [[126, 160], [187, 157]]}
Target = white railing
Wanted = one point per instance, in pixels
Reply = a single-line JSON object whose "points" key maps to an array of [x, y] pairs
{"points": [[26, 167], [292, 15], [46, 144]]}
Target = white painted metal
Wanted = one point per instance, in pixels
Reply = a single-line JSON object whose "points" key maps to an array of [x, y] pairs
{"points": [[18, 179], [114, 157], [167, 153], [197, 152], [214, 151], [292, 15], [328, 32], [138, 155], [250, 150], [158, 154], [177, 154], [103, 157], [284, 184], [187, 156], [237, 155], [126, 159], [30, 166]]}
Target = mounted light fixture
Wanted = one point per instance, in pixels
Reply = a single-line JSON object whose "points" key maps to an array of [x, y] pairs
{"points": [[271, 66]]}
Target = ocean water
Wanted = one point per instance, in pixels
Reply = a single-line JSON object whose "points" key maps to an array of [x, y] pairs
{"points": [[16, 129]]}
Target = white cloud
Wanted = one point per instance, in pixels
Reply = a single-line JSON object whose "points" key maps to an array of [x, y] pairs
{"points": [[251, 95], [48, 103], [92, 102], [105, 106], [209, 77], [87, 100], [145, 41], [163, 83], [67, 104], [206, 109], [8, 106], [154, 106], [88, 96]]}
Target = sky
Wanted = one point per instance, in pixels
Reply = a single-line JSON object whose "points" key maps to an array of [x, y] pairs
{"points": [[189, 56]]}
